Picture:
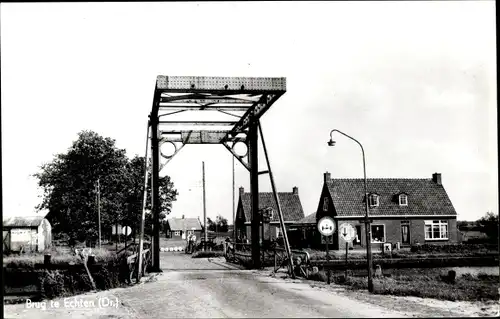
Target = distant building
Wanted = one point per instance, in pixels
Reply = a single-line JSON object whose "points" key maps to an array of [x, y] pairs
{"points": [[402, 210], [27, 234], [178, 228], [290, 205]]}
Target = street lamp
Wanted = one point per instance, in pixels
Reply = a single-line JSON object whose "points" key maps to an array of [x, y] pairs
{"points": [[331, 142]]}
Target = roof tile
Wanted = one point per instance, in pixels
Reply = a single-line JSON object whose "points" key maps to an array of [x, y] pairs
{"points": [[290, 205], [425, 197], [184, 223]]}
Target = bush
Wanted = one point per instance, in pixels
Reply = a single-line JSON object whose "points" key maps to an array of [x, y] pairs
{"points": [[53, 284]]}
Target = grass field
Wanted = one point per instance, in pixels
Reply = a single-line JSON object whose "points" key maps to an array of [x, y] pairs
{"points": [[456, 251], [59, 256], [425, 283]]}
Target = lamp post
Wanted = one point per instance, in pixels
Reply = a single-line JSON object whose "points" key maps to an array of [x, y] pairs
{"points": [[367, 220]]}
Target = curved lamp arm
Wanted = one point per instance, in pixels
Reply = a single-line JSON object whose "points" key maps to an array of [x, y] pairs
{"points": [[332, 142]]}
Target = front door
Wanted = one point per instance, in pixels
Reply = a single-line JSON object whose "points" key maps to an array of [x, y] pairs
{"points": [[405, 234]]}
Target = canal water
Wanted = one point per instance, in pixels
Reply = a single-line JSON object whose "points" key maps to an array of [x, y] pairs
{"points": [[473, 271]]}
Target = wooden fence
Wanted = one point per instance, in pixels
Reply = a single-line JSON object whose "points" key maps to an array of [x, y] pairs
{"points": [[274, 255]]}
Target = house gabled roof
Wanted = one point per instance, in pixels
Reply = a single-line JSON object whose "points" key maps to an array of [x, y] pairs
{"points": [[184, 224], [289, 202], [425, 197], [309, 219], [24, 221]]}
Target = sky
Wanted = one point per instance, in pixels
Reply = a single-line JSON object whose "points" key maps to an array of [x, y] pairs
{"points": [[414, 82]]}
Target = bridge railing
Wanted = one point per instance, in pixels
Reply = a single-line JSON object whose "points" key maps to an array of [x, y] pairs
{"points": [[238, 252]]}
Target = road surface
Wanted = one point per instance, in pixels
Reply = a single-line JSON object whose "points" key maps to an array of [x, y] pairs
{"points": [[205, 288]]}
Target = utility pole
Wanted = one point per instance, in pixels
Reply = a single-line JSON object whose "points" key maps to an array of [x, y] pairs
{"points": [[234, 215], [204, 207], [99, 210]]}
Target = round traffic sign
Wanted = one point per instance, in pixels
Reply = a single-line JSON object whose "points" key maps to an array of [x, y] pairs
{"points": [[326, 226], [347, 232], [126, 230]]}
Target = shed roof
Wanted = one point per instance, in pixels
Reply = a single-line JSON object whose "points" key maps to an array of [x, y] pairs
{"points": [[290, 205], [184, 223], [425, 197], [24, 221]]}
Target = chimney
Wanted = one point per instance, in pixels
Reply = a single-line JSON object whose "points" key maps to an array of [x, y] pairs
{"points": [[436, 178], [242, 190], [327, 177], [295, 190]]}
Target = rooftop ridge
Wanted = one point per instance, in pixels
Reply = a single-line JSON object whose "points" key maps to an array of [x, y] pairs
{"points": [[272, 193], [384, 178]]}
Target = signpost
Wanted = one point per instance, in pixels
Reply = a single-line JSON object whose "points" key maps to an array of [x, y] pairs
{"points": [[326, 227], [347, 233]]}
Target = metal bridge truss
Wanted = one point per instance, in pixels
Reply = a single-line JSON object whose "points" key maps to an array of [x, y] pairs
{"points": [[230, 108]]}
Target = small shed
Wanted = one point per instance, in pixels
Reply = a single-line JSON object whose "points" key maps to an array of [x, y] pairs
{"points": [[27, 234]]}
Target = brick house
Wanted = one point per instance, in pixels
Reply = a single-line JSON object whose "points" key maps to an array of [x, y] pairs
{"points": [[290, 205], [177, 228], [402, 210]]}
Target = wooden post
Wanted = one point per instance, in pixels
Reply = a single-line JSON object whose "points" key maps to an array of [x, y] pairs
{"points": [[346, 252], [116, 234], [125, 238], [204, 209], [327, 238], [99, 210], [46, 259], [275, 259]]}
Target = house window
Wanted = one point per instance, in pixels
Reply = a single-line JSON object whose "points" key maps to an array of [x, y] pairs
{"points": [[436, 229], [190, 232], [177, 233], [403, 200], [378, 233], [373, 200], [325, 204]]}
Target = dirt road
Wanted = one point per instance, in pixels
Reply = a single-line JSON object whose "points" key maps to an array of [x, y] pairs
{"points": [[210, 288]]}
